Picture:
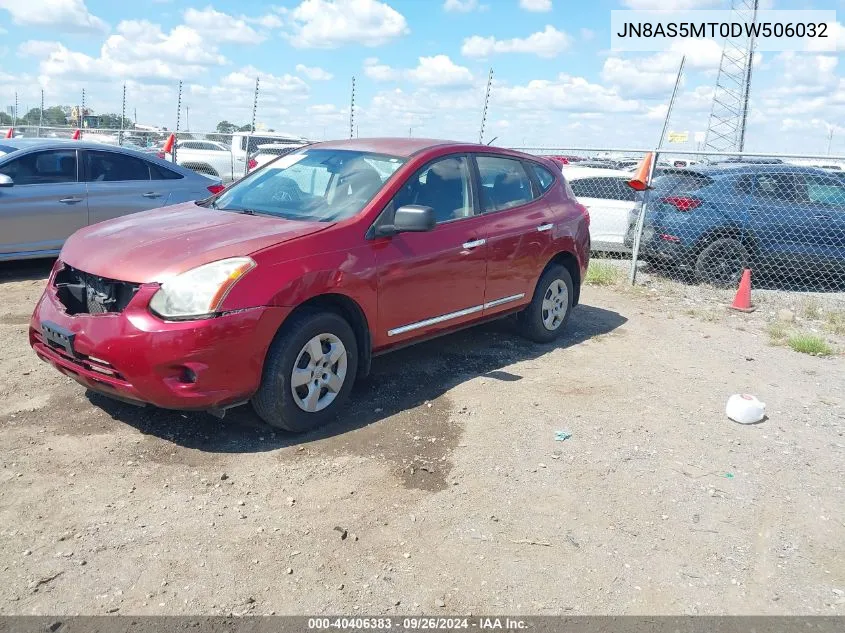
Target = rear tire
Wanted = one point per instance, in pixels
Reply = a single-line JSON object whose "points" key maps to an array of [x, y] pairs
{"points": [[308, 373], [721, 262], [546, 316]]}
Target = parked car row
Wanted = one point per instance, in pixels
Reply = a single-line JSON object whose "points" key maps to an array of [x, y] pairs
{"points": [[717, 220], [50, 188], [229, 162]]}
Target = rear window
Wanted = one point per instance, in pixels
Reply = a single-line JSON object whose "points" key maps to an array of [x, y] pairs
{"points": [[681, 183]]}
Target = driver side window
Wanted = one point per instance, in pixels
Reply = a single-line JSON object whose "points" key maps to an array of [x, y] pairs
{"points": [[443, 185]]}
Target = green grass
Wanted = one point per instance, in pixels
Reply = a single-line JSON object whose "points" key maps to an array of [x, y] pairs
{"points": [[603, 274], [809, 344], [777, 332]]}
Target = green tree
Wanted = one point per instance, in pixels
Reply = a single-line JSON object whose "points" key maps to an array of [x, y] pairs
{"points": [[224, 127], [5, 119]]}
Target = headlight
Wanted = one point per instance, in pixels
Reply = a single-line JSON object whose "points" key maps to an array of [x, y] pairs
{"points": [[199, 291]]}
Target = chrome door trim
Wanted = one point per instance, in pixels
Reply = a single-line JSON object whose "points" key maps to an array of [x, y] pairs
{"points": [[434, 320], [503, 300]]}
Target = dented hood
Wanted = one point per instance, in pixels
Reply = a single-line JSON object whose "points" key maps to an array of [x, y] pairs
{"points": [[154, 245]]}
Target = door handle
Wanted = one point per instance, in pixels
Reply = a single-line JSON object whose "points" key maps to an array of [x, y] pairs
{"points": [[545, 227], [151, 194], [474, 243], [70, 200]]}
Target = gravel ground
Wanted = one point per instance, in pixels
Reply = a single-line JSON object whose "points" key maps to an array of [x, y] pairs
{"points": [[443, 488]]}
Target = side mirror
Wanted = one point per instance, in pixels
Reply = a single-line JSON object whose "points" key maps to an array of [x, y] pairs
{"points": [[411, 218], [6, 181]]}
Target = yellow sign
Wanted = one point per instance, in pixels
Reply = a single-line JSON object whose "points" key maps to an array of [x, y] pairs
{"points": [[678, 137]]}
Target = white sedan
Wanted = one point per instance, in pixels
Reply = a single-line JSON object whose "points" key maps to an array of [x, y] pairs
{"points": [[609, 199]]}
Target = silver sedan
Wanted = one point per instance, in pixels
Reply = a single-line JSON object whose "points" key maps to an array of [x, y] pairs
{"points": [[50, 188]]}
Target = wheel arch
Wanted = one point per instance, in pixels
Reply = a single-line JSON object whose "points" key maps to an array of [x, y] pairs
{"points": [[743, 236], [352, 312], [570, 262]]}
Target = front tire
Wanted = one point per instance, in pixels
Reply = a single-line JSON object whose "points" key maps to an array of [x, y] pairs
{"points": [[308, 373], [546, 316]]}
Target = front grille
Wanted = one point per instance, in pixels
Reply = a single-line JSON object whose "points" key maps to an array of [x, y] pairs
{"points": [[84, 293]]}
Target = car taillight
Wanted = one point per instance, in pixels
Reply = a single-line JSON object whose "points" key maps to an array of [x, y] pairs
{"points": [[215, 189], [682, 203], [252, 164]]}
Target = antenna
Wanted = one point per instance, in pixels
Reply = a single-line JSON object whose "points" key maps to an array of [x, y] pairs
{"points": [[729, 112], [486, 104], [41, 113], [352, 110]]}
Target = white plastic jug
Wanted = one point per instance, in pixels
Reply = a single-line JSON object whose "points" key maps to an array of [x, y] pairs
{"points": [[745, 408]]}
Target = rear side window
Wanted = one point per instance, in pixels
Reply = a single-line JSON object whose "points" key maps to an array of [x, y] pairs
{"points": [[782, 187], [42, 168], [826, 190], [675, 183], [114, 167], [504, 183], [163, 173], [544, 176]]}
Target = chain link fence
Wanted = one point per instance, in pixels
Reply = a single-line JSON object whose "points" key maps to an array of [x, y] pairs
{"points": [[708, 217], [225, 156]]}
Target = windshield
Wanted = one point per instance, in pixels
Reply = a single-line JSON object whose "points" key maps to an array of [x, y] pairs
{"points": [[324, 185]]}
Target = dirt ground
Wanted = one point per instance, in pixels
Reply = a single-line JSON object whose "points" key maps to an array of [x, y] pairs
{"points": [[443, 488]]}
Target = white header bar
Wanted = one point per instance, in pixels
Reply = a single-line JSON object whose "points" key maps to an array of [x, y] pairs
{"points": [[774, 30]]}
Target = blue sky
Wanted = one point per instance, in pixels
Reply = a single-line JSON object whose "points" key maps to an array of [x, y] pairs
{"points": [[420, 67]]}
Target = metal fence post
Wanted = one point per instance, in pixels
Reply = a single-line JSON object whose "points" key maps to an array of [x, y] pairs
{"points": [[247, 153], [638, 231]]}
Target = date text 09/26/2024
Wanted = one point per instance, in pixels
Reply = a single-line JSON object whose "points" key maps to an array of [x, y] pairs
{"points": [[416, 623]]}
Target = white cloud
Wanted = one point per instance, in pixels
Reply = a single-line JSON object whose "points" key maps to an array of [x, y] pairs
{"points": [[139, 49], [546, 43], [221, 27], [380, 72], [67, 15], [567, 93], [654, 75], [313, 73], [436, 71], [537, 6], [463, 6], [334, 23], [439, 70]]}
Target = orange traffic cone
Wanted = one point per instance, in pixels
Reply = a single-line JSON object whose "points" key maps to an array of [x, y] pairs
{"points": [[76, 135], [742, 301], [10, 132], [168, 146], [640, 181]]}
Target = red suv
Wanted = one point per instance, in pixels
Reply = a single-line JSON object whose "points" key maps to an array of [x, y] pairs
{"points": [[280, 289]]}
